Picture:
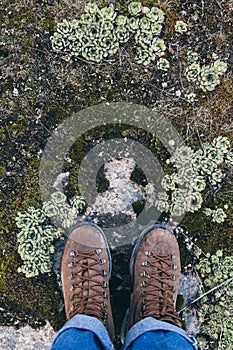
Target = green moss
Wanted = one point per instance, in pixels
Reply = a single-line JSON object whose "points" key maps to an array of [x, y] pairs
{"points": [[17, 129], [47, 23], [2, 170], [4, 267]]}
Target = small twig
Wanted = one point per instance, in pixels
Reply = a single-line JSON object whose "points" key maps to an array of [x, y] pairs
{"points": [[120, 61], [199, 279], [202, 7], [209, 291], [45, 127], [8, 133], [219, 4], [197, 131], [220, 339]]}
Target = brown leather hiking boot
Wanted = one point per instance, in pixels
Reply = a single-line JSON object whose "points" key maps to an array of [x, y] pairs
{"points": [[155, 272], [86, 270]]}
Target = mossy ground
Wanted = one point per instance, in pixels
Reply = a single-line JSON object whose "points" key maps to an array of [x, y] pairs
{"points": [[49, 88]]}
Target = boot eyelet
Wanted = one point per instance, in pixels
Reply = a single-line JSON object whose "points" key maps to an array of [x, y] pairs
{"points": [[144, 284], [149, 253], [174, 266], [104, 284], [72, 288], [144, 274], [105, 295], [71, 276], [173, 277], [72, 307], [71, 264], [102, 261], [98, 251], [104, 273], [173, 256], [73, 253]]}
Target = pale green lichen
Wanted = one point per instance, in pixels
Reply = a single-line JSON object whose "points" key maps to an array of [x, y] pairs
{"points": [[59, 208], [163, 64], [208, 78], [132, 24], [36, 237], [192, 72], [35, 242], [121, 20], [98, 33], [168, 183], [91, 8], [194, 170], [144, 56], [122, 34], [135, 8], [158, 47], [198, 183], [205, 77], [218, 215], [107, 14], [156, 15], [222, 144], [229, 159], [181, 27], [216, 309], [220, 67], [30, 218], [191, 98], [192, 56], [216, 177]]}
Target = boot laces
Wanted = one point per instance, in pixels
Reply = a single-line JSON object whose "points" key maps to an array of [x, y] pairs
{"points": [[89, 293], [158, 295]]}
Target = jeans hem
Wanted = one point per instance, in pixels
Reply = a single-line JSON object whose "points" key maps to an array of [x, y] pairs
{"points": [[91, 324], [151, 324]]}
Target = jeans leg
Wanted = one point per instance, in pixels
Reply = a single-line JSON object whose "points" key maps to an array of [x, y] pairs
{"points": [[82, 332], [158, 335], [157, 340], [74, 339]]}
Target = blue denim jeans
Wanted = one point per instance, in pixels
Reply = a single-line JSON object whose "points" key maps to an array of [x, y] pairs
{"points": [[88, 333]]}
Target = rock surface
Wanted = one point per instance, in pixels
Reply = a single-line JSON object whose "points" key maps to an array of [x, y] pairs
{"points": [[26, 338]]}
